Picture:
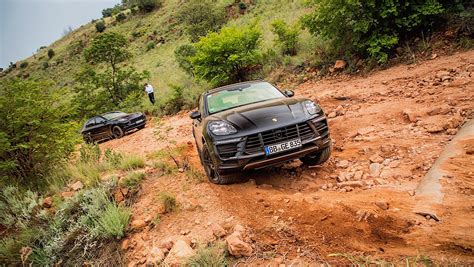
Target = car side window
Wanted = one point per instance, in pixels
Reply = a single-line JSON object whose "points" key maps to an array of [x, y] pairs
{"points": [[90, 122], [99, 120]]}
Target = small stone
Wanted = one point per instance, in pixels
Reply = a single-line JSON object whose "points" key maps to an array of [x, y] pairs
{"points": [[179, 254], [167, 244], [394, 164], [382, 204], [156, 256], [442, 73], [339, 110], [452, 131], [351, 184], [342, 164], [137, 224], [48, 202], [340, 64], [376, 158], [76, 186], [118, 196], [125, 244], [433, 56], [358, 175], [67, 194], [332, 115], [384, 82], [217, 230], [375, 169]]}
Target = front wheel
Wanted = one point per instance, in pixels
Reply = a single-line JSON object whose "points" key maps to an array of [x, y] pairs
{"points": [[88, 139], [117, 132], [317, 158], [211, 171]]}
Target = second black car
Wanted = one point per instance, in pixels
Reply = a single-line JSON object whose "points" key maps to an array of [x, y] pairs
{"points": [[111, 125]]}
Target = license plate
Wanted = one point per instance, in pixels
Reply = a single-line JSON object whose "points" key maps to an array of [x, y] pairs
{"points": [[282, 146], [139, 121]]}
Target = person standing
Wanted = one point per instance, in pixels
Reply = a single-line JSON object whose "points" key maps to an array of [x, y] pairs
{"points": [[149, 91]]}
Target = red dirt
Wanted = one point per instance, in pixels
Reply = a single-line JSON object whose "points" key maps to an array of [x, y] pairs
{"points": [[293, 212]]}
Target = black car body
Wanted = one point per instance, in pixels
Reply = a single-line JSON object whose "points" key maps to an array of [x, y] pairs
{"points": [[266, 132], [111, 125]]}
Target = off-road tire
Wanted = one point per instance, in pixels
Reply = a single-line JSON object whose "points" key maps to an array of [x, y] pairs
{"points": [[317, 158], [141, 127], [88, 139], [212, 174], [117, 132]]}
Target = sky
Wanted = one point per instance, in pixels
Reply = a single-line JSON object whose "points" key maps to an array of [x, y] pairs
{"points": [[26, 25]]}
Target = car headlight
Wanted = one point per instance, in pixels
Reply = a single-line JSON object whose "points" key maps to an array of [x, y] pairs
{"points": [[123, 120], [311, 107], [221, 128]]}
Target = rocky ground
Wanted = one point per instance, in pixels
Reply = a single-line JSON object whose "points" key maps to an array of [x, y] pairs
{"points": [[388, 129]]}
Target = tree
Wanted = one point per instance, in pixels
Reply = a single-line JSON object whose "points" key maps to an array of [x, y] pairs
{"points": [[201, 17], [287, 37], [116, 82], [35, 134], [183, 55], [369, 28], [227, 56], [100, 26], [50, 53]]}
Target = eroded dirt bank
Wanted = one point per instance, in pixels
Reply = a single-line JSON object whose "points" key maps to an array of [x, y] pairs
{"points": [[388, 129]]}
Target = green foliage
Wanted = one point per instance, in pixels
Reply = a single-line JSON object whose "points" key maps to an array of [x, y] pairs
{"points": [[112, 11], [17, 208], [121, 16], [100, 26], [183, 55], [227, 56], [370, 28], [287, 37], [35, 134], [89, 153], [113, 221], [146, 5], [213, 255], [132, 162], [150, 45], [109, 48], [23, 64], [45, 65], [133, 179], [51, 53], [168, 200], [112, 157], [201, 17]]}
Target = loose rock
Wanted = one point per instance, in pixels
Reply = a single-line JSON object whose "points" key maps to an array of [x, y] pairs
{"points": [[382, 204], [48, 202], [217, 230], [237, 247], [76, 186], [179, 253]]}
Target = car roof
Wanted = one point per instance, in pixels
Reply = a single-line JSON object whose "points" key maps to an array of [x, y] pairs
{"points": [[117, 111], [230, 86]]}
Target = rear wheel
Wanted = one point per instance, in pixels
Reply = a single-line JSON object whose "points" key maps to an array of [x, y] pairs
{"points": [[117, 132], [211, 171], [317, 158]]}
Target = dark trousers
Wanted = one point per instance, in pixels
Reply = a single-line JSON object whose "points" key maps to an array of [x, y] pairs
{"points": [[152, 98]]}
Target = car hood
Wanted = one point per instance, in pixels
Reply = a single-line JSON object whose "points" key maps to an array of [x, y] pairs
{"points": [[264, 115], [128, 116]]}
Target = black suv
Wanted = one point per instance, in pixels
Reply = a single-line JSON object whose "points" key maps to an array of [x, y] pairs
{"points": [[252, 125], [111, 125]]}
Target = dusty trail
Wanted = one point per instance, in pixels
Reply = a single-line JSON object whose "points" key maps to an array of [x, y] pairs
{"points": [[388, 129]]}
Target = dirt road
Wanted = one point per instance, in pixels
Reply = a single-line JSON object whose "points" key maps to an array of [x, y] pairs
{"points": [[388, 129]]}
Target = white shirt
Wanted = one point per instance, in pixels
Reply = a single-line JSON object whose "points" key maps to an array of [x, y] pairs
{"points": [[149, 89]]}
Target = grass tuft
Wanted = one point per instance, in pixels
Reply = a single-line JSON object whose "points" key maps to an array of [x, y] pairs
{"points": [[213, 255], [113, 221], [169, 201], [133, 179], [132, 162]]}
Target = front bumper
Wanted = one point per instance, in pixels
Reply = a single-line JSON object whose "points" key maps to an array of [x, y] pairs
{"points": [[137, 123], [315, 141]]}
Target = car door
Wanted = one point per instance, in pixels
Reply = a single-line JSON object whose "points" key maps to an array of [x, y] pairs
{"points": [[88, 127], [101, 127]]}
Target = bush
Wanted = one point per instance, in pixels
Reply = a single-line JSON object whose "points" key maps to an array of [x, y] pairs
{"points": [[148, 5], [201, 17], [150, 45], [51, 53], [168, 200], [183, 55], [287, 37], [227, 56], [112, 157], [17, 208], [24, 64], [35, 134], [133, 179], [121, 16], [113, 221], [100, 26], [213, 255], [370, 28], [132, 162], [45, 65], [89, 153]]}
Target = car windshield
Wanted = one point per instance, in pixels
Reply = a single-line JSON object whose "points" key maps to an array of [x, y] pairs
{"points": [[113, 115], [241, 95]]}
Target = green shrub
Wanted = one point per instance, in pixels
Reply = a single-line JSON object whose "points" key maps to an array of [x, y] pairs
{"points": [[183, 55], [150, 45], [133, 179], [51, 53], [35, 134], [132, 162], [201, 17], [287, 37], [112, 157], [113, 221], [89, 153], [86, 172], [168, 200], [148, 5], [100, 26], [227, 56], [370, 28], [17, 208], [23, 64], [45, 65], [213, 255], [121, 16]]}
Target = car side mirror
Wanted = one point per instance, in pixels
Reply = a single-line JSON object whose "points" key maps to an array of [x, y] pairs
{"points": [[289, 93], [195, 115]]}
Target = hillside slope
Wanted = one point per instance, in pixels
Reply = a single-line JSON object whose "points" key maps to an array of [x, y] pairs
{"points": [[389, 129]]}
